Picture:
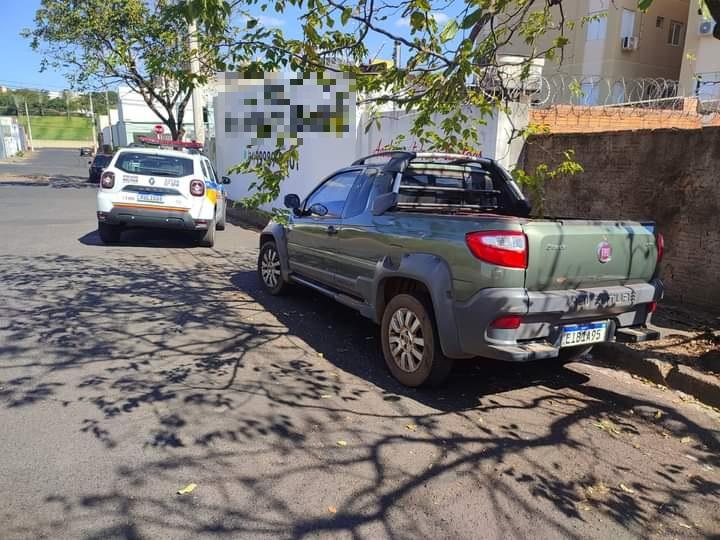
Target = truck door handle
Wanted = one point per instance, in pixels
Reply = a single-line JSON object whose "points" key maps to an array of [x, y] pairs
{"points": [[332, 230]]}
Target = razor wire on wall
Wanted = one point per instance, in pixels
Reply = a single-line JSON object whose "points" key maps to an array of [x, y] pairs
{"points": [[612, 96]]}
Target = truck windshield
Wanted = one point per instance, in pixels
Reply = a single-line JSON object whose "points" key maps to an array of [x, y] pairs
{"points": [[154, 164]]}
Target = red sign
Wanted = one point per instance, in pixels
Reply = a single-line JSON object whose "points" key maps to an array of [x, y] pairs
{"points": [[159, 129], [164, 142]]}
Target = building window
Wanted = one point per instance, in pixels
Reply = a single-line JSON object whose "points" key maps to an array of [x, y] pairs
{"points": [[675, 36], [627, 24], [660, 22], [597, 25]]}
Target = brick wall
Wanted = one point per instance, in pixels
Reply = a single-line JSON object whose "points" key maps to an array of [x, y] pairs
{"points": [[580, 119], [669, 176]]}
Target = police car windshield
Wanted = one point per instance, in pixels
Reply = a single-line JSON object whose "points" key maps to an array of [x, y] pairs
{"points": [[154, 164]]}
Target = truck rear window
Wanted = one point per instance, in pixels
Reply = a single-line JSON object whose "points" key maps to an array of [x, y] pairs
{"points": [[436, 186], [154, 164]]}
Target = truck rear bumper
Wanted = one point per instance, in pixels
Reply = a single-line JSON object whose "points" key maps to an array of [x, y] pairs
{"points": [[626, 308]]}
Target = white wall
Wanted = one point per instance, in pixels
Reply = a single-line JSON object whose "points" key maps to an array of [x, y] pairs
{"points": [[320, 153], [323, 153]]}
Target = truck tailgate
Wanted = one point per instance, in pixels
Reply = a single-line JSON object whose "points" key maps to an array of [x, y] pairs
{"points": [[572, 254]]}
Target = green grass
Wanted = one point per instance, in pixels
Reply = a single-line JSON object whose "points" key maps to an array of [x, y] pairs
{"points": [[59, 128]]}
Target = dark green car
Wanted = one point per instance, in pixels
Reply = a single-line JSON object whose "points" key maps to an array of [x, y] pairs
{"points": [[439, 250]]}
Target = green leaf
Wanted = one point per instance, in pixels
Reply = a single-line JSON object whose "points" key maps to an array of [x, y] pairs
{"points": [[345, 16], [417, 20], [644, 5], [252, 23], [450, 31]]}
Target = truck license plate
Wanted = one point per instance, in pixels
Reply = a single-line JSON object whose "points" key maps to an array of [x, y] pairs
{"points": [[149, 197], [583, 334]]}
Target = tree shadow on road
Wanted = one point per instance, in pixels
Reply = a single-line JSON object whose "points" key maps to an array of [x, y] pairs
{"points": [[184, 363]]}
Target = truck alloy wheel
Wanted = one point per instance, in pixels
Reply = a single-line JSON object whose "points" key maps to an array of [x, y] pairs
{"points": [[410, 344], [406, 342], [269, 269]]}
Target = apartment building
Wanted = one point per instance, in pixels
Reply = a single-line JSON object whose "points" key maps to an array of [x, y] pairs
{"points": [[617, 47], [700, 73]]}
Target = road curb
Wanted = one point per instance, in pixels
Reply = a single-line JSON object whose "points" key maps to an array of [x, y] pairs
{"points": [[704, 388], [248, 216]]}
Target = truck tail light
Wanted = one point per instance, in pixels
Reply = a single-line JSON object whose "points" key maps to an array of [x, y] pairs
{"points": [[504, 248], [652, 306], [107, 180], [197, 188], [507, 322], [660, 243]]}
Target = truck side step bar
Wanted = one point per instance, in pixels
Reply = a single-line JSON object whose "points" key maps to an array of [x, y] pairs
{"points": [[344, 299], [636, 335]]}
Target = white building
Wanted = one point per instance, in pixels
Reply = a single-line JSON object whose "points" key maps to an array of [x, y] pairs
{"points": [[135, 119], [107, 127], [700, 73]]}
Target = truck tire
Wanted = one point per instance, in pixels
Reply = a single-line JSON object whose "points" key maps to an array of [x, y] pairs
{"points": [[410, 343], [207, 237], [109, 234], [269, 270]]}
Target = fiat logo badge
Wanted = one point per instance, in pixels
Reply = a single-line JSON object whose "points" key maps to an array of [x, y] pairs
{"points": [[151, 181], [604, 252]]}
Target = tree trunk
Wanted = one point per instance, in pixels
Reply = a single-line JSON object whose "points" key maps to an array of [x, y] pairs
{"points": [[173, 127]]}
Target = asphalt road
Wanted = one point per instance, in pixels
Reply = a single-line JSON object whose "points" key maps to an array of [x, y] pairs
{"points": [[129, 372], [55, 163]]}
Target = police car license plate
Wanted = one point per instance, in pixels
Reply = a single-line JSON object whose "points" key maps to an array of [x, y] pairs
{"points": [[149, 197], [583, 334]]}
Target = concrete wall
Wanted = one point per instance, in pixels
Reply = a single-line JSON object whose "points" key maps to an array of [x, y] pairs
{"points": [[40, 143], [665, 175]]}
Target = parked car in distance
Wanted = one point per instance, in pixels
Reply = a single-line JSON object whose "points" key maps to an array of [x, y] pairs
{"points": [[97, 166], [86, 151], [438, 249], [155, 187]]}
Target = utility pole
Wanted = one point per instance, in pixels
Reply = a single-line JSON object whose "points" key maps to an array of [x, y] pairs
{"points": [[92, 120], [27, 115], [107, 106], [196, 97]]}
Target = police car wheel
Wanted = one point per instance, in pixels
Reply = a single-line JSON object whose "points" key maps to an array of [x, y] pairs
{"points": [[207, 237]]}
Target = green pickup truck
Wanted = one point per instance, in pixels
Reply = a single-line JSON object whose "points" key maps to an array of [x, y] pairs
{"points": [[439, 250]]}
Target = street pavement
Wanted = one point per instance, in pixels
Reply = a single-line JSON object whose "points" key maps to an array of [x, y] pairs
{"points": [[129, 372], [56, 163]]}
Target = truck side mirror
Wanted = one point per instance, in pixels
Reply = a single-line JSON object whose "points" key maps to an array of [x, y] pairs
{"points": [[292, 201]]}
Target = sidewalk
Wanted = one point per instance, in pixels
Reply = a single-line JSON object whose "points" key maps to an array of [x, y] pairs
{"points": [[686, 358]]}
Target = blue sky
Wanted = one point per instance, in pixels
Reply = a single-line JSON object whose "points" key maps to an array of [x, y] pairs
{"points": [[20, 65]]}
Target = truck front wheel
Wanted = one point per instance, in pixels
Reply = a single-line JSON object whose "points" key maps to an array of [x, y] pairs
{"points": [[270, 269], [410, 343]]}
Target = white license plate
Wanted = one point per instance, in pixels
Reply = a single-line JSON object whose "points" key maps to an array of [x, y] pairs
{"points": [[149, 197], [583, 334]]}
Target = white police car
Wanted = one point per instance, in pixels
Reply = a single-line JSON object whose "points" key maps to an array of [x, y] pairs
{"points": [[155, 187]]}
